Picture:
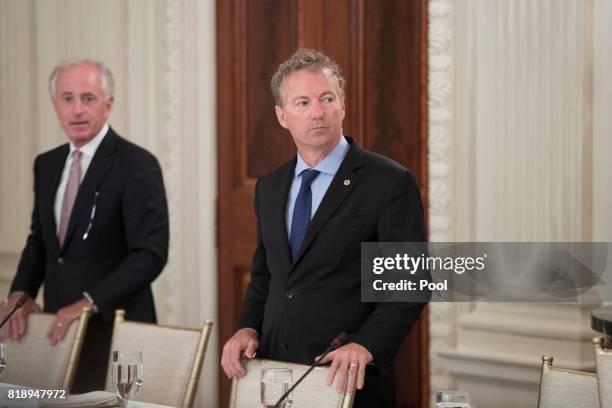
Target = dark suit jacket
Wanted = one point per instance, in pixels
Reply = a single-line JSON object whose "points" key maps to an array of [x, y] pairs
{"points": [[299, 307], [127, 244]]}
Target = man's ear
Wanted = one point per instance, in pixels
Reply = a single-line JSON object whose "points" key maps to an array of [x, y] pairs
{"points": [[109, 105], [280, 115]]}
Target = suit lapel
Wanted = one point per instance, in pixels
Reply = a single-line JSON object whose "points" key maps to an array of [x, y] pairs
{"points": [[342, 184], [99, 166], [50, 184], [280, 209]]}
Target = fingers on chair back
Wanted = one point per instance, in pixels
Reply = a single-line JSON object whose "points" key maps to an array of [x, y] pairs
{"points": [[33, 362], [603, 364], [172, 359], [311, 392], [561, 388]]}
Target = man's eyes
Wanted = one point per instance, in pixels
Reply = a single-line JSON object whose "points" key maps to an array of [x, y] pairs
{"points": [[326, 99], [84, 98]]}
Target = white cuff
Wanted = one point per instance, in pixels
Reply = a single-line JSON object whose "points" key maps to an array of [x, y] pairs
{"points": [[88, 297]]}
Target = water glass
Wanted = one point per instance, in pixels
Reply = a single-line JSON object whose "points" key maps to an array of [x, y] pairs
{"points": [[452, 399], [2, 354], [127, 373], [274, 384]]}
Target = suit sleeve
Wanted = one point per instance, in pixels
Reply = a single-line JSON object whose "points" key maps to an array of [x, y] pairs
{"points": [[400, 220], [146, 229], [255, 300], [31, 268]]}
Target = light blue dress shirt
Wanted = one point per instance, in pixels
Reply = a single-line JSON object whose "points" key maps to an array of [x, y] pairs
{"points": [[328, 167]]}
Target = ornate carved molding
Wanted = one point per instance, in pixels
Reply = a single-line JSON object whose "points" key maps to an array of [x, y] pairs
{"points": [[440, 108], [440, 182], [171, 280]]}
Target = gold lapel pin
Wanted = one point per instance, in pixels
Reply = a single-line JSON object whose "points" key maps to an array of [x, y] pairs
{"points": [[347, 182]]}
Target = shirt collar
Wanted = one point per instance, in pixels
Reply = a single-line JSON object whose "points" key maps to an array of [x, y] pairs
{"points": [[330, 163], [89, 148]]}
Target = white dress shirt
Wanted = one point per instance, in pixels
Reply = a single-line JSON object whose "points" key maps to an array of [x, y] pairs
{"points": [[87, 152]]}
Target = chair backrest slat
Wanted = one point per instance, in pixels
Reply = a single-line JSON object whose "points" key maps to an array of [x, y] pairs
{"points": [[172, 359]]}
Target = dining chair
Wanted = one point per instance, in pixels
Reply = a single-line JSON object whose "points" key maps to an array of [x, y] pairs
{"points": [[172, 359], [603, 364], [561, 388], [33, 362], [313, 391]]}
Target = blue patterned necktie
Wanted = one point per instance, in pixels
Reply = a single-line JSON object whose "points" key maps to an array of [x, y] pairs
{"points": [[302, 210]]}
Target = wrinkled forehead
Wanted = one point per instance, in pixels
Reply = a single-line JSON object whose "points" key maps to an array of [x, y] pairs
{"points": [[298, 82]]}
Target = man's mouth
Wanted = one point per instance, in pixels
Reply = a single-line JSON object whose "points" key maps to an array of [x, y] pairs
{"points": [[79, 123]]}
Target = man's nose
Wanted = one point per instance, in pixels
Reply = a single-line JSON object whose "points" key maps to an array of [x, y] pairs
{"points": [[316, 112], [78, 106]]}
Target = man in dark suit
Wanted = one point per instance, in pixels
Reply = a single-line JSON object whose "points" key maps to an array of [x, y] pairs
{"points": [[312, 215], [99, 231]]}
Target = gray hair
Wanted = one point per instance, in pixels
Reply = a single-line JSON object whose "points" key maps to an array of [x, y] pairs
{"points": [[108, 83], [311, 60]]}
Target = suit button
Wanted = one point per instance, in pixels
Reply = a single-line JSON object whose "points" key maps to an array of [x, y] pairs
{"points": [[284, 347], [289, 294], [60, 260]]}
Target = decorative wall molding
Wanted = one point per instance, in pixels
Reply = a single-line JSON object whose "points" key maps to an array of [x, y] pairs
{"points": [[172, 142], [440, 178]]}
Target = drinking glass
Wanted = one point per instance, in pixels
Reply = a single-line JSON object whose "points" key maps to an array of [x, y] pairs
{"points": [[452, 399], [127, 373], [274, 384], [2, 354]]}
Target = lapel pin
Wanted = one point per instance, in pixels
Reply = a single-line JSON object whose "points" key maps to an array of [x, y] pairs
{"points": [[347, 182]]}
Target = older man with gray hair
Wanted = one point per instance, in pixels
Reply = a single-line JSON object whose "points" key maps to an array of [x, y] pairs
{"points": [[99, 229]]}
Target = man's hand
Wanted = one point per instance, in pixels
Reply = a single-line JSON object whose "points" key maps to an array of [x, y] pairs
{"points": [[243, 340], [17, 325], [349, 362], [64, 318]]}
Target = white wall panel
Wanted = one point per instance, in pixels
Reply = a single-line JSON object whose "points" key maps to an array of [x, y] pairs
{"points": [[524, 151]]}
